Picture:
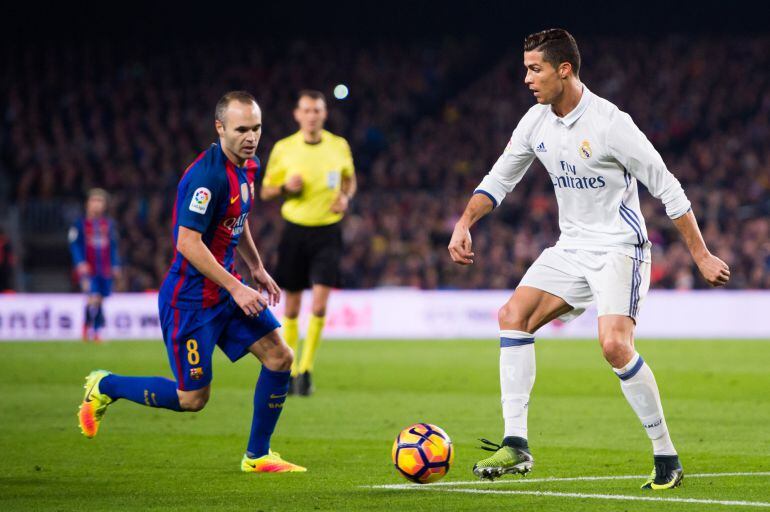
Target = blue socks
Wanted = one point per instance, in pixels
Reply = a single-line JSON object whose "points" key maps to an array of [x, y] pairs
{"points": [[94, 317], [152, 391], [99, 318], [91, 314], [269, 396]]}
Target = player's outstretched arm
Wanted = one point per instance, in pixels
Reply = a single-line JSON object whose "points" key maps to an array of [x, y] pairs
{"points": [[190, 245], [715, 271], [248, 251], [460, 244]]}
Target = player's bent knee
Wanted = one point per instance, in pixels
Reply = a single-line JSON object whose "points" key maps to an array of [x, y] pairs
{"points": [[287, 358], [511, 317], [284, 359], [280, 359], [193, 401], [193, 404], [617, 351]]}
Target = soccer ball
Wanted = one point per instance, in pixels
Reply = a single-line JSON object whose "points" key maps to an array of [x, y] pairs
{"points": [[423, 453]]}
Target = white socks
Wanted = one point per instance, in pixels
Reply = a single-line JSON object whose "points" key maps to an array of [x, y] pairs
{"points": [[641, 391], [517, 376]]}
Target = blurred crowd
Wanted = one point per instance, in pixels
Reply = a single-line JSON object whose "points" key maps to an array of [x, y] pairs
{"points": [[693, 98], [425, 121]]}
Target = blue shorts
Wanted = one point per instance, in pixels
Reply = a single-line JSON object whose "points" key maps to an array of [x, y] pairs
{"points": [[100, 285], [191, 335]]}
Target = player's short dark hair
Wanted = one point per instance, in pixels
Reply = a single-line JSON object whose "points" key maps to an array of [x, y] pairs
{"points": [[312, 94], [224, 101], [557, 46]]}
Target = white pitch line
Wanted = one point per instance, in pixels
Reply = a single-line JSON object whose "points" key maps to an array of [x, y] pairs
{"points": [[557, 479], [618, 497]]}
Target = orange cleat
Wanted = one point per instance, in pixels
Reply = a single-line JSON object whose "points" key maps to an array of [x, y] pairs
{"points": [[94, 404], [270, 463]]}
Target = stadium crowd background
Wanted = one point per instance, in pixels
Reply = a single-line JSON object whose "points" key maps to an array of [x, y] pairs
{"points": [[425, 121]]}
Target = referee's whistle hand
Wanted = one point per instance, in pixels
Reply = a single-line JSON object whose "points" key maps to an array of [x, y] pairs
{"points": [[340, 204], [249, 300], [294, 184], [460, 246]]}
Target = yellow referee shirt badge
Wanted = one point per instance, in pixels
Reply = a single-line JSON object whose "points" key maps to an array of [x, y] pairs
{"points": [[585, 150]]}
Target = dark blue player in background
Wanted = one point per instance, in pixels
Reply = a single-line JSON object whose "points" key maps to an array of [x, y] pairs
{"points": [[94, 247], [203, 302]]}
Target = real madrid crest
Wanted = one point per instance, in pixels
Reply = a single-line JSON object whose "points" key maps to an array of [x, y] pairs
{"points": [[585, 150]]}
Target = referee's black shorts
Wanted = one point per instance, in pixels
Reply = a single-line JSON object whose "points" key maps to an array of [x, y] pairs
{"points": [[309, 255]]}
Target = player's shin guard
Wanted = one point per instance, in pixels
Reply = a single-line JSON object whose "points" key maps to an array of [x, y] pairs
{"points": [[517, 376], [641, 391], [291, 335], [269, 396], [312, 340], [150, 391]]}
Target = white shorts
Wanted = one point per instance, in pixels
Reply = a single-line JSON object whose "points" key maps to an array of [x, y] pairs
{"points": [[618, 283]]}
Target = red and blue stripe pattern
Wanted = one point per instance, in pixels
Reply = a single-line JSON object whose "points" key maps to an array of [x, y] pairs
{"points": [[95, 242], [220, 227]]}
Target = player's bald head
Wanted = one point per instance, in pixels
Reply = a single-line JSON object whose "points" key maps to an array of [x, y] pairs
{"points": [[242, 97]]}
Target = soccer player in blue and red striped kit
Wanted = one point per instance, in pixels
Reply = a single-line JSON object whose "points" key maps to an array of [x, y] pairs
{"points": [[203, 302], [93, 243]]}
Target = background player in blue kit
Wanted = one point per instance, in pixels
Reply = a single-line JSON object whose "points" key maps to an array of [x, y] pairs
{"points": [[93, 244], [203, 303]]}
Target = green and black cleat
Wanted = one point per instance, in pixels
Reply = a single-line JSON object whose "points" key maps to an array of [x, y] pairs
{"points": [[666, 474], [511, 457]]}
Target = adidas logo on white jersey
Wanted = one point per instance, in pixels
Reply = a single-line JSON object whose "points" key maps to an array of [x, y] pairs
{"points": [[541, 148]]}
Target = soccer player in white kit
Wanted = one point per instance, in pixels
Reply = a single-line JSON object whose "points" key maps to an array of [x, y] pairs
{"points": [[594, 155]]}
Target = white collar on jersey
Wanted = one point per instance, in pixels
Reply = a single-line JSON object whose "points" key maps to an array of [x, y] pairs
{"points": [[576, 112]]}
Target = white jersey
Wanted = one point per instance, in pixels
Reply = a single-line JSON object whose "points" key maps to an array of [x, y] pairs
{"points": [[594, 156]]}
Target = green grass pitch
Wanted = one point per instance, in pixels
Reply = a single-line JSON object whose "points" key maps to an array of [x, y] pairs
{"points": [[715, 394]]}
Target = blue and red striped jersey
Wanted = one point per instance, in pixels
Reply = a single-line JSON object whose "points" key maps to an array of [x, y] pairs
{"points": [[95, 241], [214, 198]]}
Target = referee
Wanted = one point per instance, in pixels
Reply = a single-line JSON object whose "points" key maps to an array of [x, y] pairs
{"points": [[312, 171]]}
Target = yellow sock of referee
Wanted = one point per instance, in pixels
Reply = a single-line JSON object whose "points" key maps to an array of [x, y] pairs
{"points": [[312, 340], [291, 335]]}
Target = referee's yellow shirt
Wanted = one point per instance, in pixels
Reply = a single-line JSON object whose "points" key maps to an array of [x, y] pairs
{"points": [[322, 167]]}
